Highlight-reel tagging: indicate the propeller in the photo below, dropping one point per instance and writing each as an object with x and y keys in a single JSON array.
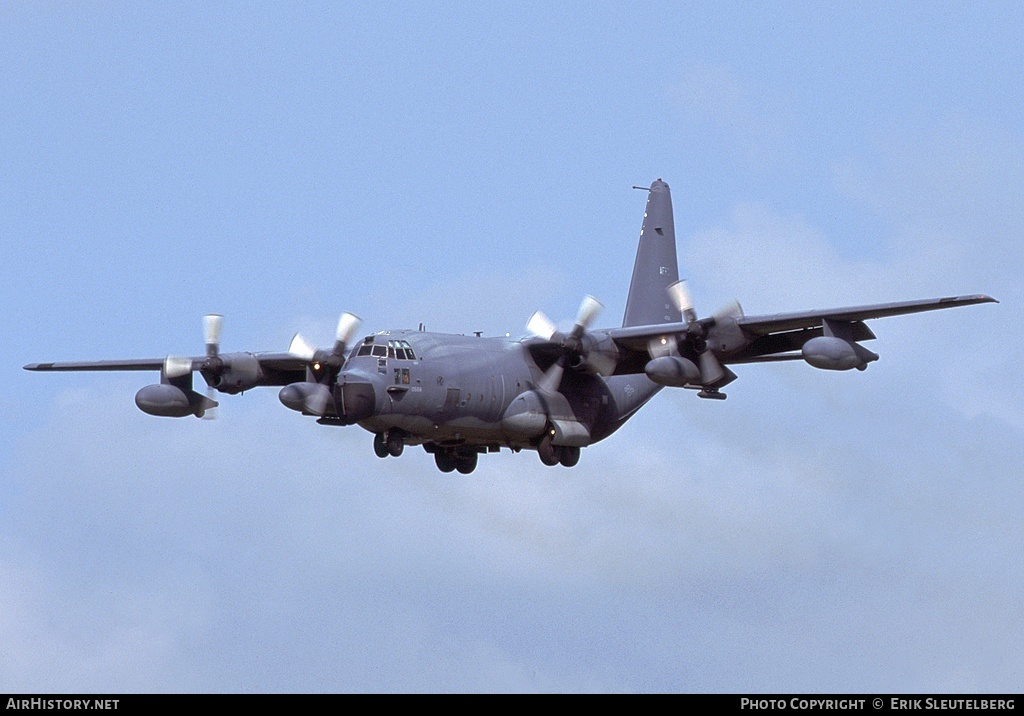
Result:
[
  {"x": 325, "y": 364},
  {"x": 213, "y": 324},
  {"x": 177, "y": 366},
  {"x": 302, "y": 349},
  {"x": 576, "y": 343},
  {"x": 711, "y": 369}
]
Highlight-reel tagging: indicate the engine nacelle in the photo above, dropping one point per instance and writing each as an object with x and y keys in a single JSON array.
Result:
[
  {"x": 170, "y": 401},
  {"x": 241, "y": 372},
  {"x": 831, "y": 353},
  {"x": 355, "y": 399},
  {"x": 673, "y": 371},
  {"x": 525, "y": 417},
  {"x": 304, "y": 397}
]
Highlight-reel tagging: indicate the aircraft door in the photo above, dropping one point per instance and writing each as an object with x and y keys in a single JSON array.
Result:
[{"x": 451, "y": 403}]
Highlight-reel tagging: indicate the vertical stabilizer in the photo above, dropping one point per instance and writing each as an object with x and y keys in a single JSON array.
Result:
[{"x": 656, "y": 267}]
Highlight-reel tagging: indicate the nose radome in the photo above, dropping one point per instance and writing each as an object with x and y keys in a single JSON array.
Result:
[{"x": 358, "y": 397}]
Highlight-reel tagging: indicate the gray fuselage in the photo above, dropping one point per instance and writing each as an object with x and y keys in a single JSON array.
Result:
[{"x": 456, "y": 389}]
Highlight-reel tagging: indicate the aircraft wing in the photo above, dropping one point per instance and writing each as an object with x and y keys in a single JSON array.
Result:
[
  {"x": 134, "y": 364},
  {"x": 763, "y": 325},
  {"x": 771, "y": 337},
  {"x": 279, "y": 368}
]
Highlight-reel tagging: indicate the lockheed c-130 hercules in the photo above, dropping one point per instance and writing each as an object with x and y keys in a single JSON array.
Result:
[{"x": 554, "y": 392}]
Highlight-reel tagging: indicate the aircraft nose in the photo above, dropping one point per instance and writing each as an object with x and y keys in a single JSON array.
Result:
[
  {"x": 358, "y": 396},
  {"x": 359, "y": 400}
]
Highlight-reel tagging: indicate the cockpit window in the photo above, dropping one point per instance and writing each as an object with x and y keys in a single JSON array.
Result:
[{"x": 400, "y": 350}]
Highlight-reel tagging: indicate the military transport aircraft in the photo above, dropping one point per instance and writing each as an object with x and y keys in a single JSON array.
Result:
[{"x": 554, "y": 392}]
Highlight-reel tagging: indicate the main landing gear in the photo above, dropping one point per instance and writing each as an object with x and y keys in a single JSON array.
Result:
[
  {"x": 447, "y": 461},
  {"x": 389, "y": 443},
  {"x": 551, "y": 455},
  {"x": 392, "y": 443},
  {"x": 464, "y": 459}
]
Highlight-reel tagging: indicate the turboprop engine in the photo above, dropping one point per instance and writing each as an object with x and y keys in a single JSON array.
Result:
[
  {"x": 233, "y": 372},
  {"x": 356, "y": 397},
  {"x": 173, "y": 397},
  {"x": 352, "y": 391}
]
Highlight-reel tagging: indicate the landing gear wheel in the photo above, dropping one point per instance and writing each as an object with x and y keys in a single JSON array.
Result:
[
  {"x": 549, "y": 454},
  {"x": 395, "y": 443},
  {"x": 466, "y": 463},
  {"x": 445, "y": 461},
  {"x": 380, "y": 445},
  {"x": 570, "y": 456}
]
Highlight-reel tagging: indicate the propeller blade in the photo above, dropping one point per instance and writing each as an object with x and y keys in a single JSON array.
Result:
[
  {"x": 316, "y": 402},
  {"x": 601, "y": 363},
  {"x": 212, "y": 325},
  {"x": 541, "y": 326},
  {"x": 211, "y": 412},
  {"x": 553, "y": 377},
  {"x": 177, "y": 366},
  {"x": 589, "y": 310},
  {"x": 711, "y": 370},
  {"x": 299, "y": 348},
  {"x": 348, "y": 324},
  {"x": 679, "y": 292},
  {"x": 733, "y": 310},
  {"x": 584, "y": 351}
]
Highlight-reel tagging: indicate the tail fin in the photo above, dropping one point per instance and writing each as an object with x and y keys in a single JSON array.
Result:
[{"x": 655, "y": 268}]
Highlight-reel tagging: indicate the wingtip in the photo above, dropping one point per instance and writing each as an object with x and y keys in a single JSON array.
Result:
[{"x": 972, "y": 298}]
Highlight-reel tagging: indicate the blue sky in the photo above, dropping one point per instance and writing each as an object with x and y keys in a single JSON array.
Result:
[{"x": 463, "y": 166}]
